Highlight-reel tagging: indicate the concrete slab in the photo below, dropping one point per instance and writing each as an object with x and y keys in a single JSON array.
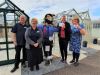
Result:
[
  {"x": 5, "y": 70},
  {"x": 55, "y": 65}
]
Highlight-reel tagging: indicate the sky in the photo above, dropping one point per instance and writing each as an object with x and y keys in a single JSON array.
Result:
[{"x": 38, "y": 8}]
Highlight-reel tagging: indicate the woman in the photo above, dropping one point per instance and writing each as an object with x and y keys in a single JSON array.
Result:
[
  {"x": 33, "y": 43},
  {"x": 64, "y": 37},
  {"x": 76, "y": 38},
  {"x": 48, "y": 31}
]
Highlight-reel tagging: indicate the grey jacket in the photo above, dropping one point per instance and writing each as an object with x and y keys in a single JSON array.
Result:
[{"x": 29, "y": 41}]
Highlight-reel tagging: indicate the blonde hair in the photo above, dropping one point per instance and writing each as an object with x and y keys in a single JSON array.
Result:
[
  {"x": 34, "y": 19},
  {"x": 76, "y": 18}
]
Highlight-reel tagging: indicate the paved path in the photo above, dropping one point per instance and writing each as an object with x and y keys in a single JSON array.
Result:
[
  {"x": 88, "y": 66},
  {"x": 88, "y": 57},
  {"x": 55, "y": 65}
]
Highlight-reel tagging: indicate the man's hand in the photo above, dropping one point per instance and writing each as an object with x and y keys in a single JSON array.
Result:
[
  {"x": 14, "y": 42},
  {"x": 36, "y": 45},
  {"x": 14, "y": 38}
]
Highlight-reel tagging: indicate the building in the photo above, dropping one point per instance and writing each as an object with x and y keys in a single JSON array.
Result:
[{"x": 96, "y": 28}]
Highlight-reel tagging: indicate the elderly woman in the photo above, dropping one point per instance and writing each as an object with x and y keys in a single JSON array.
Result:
[
  {"x": 76, "y": 38},
  {"x": 33, "y": 38}
]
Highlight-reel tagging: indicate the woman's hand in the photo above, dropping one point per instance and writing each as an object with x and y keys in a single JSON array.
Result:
[
  {"x": 78, "y": 26},
  {"x": 63, "y": 26},
  {"x": 82, "y": 30},
  {"x": 36, "y": 45}
]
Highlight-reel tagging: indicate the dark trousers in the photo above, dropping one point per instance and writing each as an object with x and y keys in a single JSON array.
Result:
[
  {"x": 17, "y": 55},
  {"x": 63, "y": 48},
  {"x": 48, "y": 53},
  {"x": 76, "y": 56}
]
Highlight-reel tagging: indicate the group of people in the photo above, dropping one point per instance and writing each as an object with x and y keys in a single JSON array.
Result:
[{"x": 36, "y": 40}]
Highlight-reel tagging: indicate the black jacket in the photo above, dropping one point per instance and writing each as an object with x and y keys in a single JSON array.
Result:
[{"x": 67, "y": 31}]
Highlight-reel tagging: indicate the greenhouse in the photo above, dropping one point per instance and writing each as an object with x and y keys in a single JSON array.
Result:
[{"x": 9, "y": 14}]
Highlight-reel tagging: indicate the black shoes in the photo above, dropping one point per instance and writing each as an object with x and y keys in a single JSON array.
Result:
[
  {"x": 63, "y": 61},
  {"x": 14, "y": 69},
  {"x": 76, "y": 64},
  {"x": 72, "y": 61},
  {"x": 37, "y": 67},
  {"x": 47, "y": 63},
  {"x": 31, "y": 68},
  {"x": 24, "y": 65}
]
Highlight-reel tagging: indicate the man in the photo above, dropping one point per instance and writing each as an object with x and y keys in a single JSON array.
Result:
[
  {"x": 64, "y": 37},
  {"x": 18, "y": 38}
]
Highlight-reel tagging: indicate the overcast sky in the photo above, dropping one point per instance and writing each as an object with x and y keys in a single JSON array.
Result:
[{"x": 38, "y": 8}]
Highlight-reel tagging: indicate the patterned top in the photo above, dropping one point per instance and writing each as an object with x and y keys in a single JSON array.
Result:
[
  {"x": 76, "y": 38},
  {"x": 49, "y": 30}
]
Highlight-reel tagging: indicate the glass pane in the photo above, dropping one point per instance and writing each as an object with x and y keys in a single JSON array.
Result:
[
  {"x": 4, "y": 6},
  {"x": 9, "y": 34},
  {"x": 16, "y": 18},
  {"x": 10, "y": 46},
  {"x": 10, "y": 23},
  {"x": 2, "y": 1},
  {"x": 2, "y": 46},
  {"x": 3, "y": 52},
  {"x": 2, "y": 35},
  {"x": 3, "y": 55},
  {"x": 1, "y": 19},
  {"x": 10, "y": 16},
  {"x": 11, "y": 51}
]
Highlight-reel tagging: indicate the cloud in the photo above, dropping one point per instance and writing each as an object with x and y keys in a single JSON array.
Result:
[
  {"x": 38, "y": 8},
  {"x": 94, "y": 7}
]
